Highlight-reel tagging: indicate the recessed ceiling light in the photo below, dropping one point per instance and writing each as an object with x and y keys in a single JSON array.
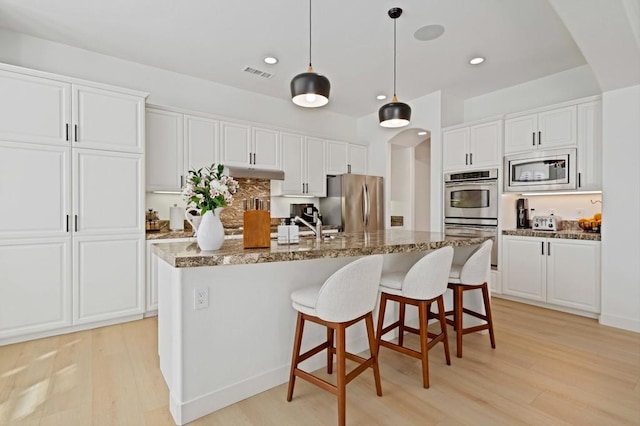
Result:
[
  {"x": 381, "y": 97},
  {"x": 428, "y": 32},
  {"x": 270, "y": 60},
  {"x": 422, "y": 133},
  {"x": 476, "y": 61}
]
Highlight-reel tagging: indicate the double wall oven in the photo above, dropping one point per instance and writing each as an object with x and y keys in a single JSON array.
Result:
[{"x": 471, "y": 205}]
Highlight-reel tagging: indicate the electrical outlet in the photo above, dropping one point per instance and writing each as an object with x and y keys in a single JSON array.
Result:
[{"x": 200, "y": 298}]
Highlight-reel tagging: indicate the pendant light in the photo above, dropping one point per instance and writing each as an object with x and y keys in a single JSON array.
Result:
[
  {"x": 310, "y": 89},
  {"x": 394, "y": 114}
]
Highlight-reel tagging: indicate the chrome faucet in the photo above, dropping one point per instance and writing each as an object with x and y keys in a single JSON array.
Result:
[{"x": 317, "y": 230}]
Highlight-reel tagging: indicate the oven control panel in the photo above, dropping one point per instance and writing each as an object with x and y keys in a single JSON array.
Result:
[{"x": 545, "y": 223}]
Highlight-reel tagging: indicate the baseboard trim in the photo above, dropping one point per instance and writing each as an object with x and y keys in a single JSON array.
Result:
[{"x": 620, "y": 322}]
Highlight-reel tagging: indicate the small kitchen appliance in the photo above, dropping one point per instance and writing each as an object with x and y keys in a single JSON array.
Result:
[
  {"x": 522, "y": 213},
  {"x": 305, "y": 211},
  {"x": 546, "y": 223}
]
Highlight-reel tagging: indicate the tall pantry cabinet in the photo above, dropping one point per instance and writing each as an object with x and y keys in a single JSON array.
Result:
[{"x": 71, "y": 204}]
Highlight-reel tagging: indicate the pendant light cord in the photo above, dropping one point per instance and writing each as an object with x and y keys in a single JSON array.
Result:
[
  {"x": 310, "y": 34},
  {"x": 394, "y": 57}
]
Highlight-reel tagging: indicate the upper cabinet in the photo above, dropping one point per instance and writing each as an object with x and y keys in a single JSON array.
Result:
[
  {"x": 590, "y": 146},
  {"x": 245, "y": 146},
  {"x": 472, "y": 147},
  {"x": 48, "y": 111},
  {"x": 303, "y": 160},
  {"x": 200, "y": 142},
  {"x": 164, "y": 155},
  {"x": 543, "y": 130},
  {"x": 343, "y": 157}
]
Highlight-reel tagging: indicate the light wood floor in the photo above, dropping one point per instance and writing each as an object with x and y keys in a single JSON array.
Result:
[{"x": 549, "y": 368}]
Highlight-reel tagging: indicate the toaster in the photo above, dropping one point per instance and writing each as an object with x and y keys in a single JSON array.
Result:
[{"x": 545, "y": 223}]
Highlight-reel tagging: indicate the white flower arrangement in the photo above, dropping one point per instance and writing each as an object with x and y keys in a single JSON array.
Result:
[{"x": 208, "y": 189}]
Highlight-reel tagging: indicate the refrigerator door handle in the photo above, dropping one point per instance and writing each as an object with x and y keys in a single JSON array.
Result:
[{"x": 367, "y": 206}]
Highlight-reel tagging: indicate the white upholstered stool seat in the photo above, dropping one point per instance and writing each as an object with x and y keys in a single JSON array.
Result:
[
  {"x": 472, "y": 275},
  {"x": 424, "y": 284},
  {"x": 346, "y": 298}
]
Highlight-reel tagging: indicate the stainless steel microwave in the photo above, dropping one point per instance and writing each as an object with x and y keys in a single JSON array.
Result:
[{"x": 541, "y": 171}]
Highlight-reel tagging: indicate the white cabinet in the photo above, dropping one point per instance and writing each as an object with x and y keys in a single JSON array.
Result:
[
  {"x": 472, "y": 147},
  {"x": 34, "y": 109},
  {"x": 151, "y": 278},
  {"x": 107, "y": 119},
  {"x": 35, "y": 190},
  {"x": 589, "y": 151},
  {"x": 35, "y": 288},
  {"x": 164, "y": 153},
  {"x": 343, "y": 157},
  {"x": 200, "y": 143},
  {"x": 543, "y": 130},
  {"x": 245, "y": 146},
  {"x": 557, "y": 271},
  {"x": 303, "y": 160}
]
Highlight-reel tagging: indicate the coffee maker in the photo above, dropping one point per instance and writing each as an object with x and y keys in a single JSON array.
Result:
[
  {"x": 522, "y": 213},
  {"x": 307, "y": 211}
]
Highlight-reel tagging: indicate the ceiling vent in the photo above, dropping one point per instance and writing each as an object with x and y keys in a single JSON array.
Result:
[{"x": 257, "y": 72}]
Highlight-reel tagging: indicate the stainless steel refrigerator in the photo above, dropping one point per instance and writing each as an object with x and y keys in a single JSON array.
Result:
[{"x": 354, "y": 202}]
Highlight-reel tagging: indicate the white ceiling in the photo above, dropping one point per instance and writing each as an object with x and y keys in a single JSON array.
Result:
[{"x": 352, "y": 42}]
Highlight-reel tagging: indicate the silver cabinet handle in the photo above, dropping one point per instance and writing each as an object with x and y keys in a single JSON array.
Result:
[
  {"x": 76, "y": 222},
  {"x": 549, "y": 249},
  {"x": 348, "y": 168},
  {"x": 181, "y": 181},
  {"x": 249, "y": 158},
  {"x": 254, "y": 158},
  {"x": 466, "y": 159},
  {"x": 75, "y": 132},
  {"x": 471, "y": 158}
]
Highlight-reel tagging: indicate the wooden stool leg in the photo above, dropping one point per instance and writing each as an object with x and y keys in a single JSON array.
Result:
[
  {"x": 297, "y": 343},
  {"x": 457, "y": 314},
  {"x": 443, "y": 327},
  {"x": 401, "y": 326},
  {"x": 487, "y": 309},
  {"x": 372, "y": 348},
  {"x": 330, "y": 350},
  {"x": 424, "y": 344},
  {"x": 342, "y": 373},
  {"x": 381, "y": 311}
]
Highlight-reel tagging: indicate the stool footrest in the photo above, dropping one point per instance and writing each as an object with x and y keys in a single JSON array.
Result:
[{"x": 311, "y": 352}]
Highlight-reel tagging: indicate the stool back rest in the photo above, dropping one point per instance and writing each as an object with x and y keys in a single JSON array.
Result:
[
  {"x": 351, "y": 291},
  {"x": 429, "y": 277},
  {"x": 477, "y": 268}
]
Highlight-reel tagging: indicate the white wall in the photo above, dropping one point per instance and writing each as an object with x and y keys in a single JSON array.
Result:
[
  {"x": 422, "y": 179},
  {"x": 170, "y": 88},
  {"x": 621, "y": 209},
  {"x": 426, "y": 114},
  {"x": 400, "y": 200},
  {"x": 575, "y": 83}
]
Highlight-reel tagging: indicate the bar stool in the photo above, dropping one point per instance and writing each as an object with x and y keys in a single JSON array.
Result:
[
  {"x": 346, "y": 297},
  {"x": 422, "y": 285},
  {"x": 472, "y": 275}
]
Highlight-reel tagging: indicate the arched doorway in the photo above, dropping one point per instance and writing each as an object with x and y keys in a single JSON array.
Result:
[{"x": 410, "y": 179}]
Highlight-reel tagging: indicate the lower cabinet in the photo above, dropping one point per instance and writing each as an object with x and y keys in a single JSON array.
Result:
[
  {"x": 152, "y": 281},
  {"x": 53, "y": 283},
  {"x": 557, "y": 271}
]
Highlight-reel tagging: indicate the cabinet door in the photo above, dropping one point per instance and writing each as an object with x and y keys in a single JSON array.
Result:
[
  {"x": 524, "y": 267},
  {"x": 35, "y": 190},
  {"x": 520, "y": 134},
  {"x": 266, "y": 148},
  {"x": 107, "y": 277},
  {"x": 337, "y": 158},
  {"x": 200, "y": 143},
  {"x": 316, "y": 175},
  {"x": 292, "y": 160},
  {"x": 455, "y": 149},
  {"x": 557, "y": 128},
  {"x": 108, "y": 192},
  {"x": 573, "y": 274},
  {"x": 34, "y": 109},
  {"x": 35, "y": 288},
  {"x": 485, "y": 141},
  {"x": 164, "y": 151},
  {"x": 590, "y": 146},
  {"x": 357, "y": 159},
  {"x": 235, "y": 144},
  {"x": 105, "y": 119}
]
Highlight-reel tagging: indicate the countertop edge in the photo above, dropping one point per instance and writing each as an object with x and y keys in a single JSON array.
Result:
[{"x": 566, "y": 235}]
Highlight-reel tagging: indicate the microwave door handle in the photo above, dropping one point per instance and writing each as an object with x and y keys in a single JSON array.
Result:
[{"x": 491, "y": 182}]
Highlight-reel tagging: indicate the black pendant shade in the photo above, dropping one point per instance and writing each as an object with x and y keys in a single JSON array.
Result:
[
  {"x": 310, "y": 89},
  {"x": 394, "y": 113}
]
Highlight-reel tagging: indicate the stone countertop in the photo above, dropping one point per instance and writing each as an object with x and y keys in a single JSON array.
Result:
[
  {"x": 186, "y": 254},
  {"x": 562, "y": 234},
  {"x": 165, "y": 233}
]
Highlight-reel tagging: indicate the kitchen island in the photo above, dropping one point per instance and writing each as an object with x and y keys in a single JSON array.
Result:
[{"x": 225, "y": 320}]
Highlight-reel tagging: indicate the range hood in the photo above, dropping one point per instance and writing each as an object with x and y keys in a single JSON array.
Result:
[{"x": 246, "y": 172}]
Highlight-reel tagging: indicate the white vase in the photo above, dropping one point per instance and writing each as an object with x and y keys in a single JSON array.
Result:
[{"x": 210, "y": 232}]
